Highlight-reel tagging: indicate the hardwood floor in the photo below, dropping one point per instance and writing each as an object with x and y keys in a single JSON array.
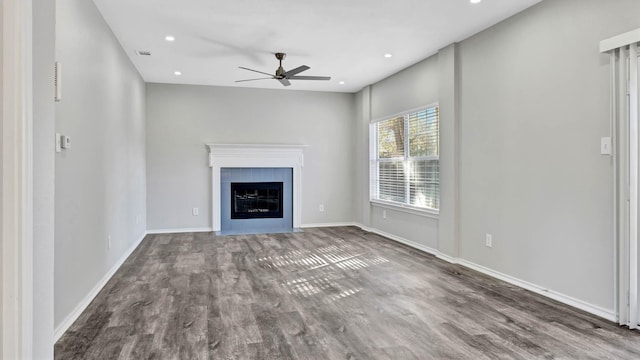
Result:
[{"x": 330, "y": 293}]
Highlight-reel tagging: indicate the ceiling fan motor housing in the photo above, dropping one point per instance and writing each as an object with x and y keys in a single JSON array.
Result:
[{"x": 280, "y": 71}]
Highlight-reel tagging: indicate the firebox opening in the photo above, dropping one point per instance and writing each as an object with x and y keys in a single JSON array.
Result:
[{"x": 257, "y": 200}]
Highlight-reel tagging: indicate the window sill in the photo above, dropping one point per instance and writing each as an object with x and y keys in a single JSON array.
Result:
[{"x": 434, "y": 214}]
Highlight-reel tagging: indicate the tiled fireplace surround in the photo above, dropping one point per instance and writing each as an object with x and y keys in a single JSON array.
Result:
[
  {"x": 249, "y": 162},
  {"x": 253, "y": 175}
]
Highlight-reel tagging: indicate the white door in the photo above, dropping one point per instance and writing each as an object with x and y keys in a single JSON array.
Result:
[{"x": 625, "y": 130}]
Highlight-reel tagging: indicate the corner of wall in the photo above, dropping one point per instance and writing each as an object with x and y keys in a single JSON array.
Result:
[{"x": 448, "y": 236}]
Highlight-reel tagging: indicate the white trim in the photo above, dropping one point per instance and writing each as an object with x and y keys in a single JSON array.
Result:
[
  {"x": 447, "y": 258},
  {"x": 321, "y": 225},
  {"x": 622, "y": 171},
  {"x": 401, "y": 240},
  {"x": 613, "y": 133},
  {"x": 179, "y": 231},
  {"x": 622, "y": 166},
  {"x": 634, "y": 185},
  {"x": 255, "y": 156},
  {"x": 16, "y": 217},
  {"x": 27, "y": 183},
  {"x": 635, "y": 94},
  {"x": 84, "y": 303},
  {"x": 619, "y": 41},
  {"x": 430, "y": 213},
  {"x": 565, "y": 299}
]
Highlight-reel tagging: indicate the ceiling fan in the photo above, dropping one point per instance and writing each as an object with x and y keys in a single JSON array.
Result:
[{"x": 284, "y": 76}]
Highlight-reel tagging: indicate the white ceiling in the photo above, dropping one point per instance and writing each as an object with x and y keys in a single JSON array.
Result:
[{"x": 344, "y": 39}]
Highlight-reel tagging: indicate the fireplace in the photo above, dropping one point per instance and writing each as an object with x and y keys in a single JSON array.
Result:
[
  {"x": 253, "y": 199},
  {"x": 256, "y": 200},
  {"x": 255, "y": 163}
]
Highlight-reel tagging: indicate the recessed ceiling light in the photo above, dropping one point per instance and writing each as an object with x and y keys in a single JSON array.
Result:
[
  {"x": 475, "y": 1},
  {"x": 388, "y": 55},
  {"x": 169, "y": 38},
  {"x": 177, "y": 73},
  {"x": 341, "y": 83}
]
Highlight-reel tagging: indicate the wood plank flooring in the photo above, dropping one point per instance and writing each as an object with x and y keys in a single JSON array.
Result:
[{"x": 330, "y": 293}]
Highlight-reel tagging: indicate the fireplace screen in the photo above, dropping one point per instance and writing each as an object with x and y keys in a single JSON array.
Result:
[{"x": 256, "y": 200}]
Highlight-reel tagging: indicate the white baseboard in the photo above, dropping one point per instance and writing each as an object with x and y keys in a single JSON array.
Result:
[
  {"x": 607, "y": 314},
  {"x": 401, "y": 240},
  {"x": 73, "y": 316},
  {"x": 565, "y": 299},
  {"x": 178, "y": 231},
  {"x": 320, "y": 225},
  {"x": 447, "y": 258}
]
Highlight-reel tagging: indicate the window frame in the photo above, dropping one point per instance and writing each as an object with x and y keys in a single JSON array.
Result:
[{"x": 374, "y": 171}]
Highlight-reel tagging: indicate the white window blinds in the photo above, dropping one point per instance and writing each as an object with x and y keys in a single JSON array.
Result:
[{"x": 405, "y": 159}]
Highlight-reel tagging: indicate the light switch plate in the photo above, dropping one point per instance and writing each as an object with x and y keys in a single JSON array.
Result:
[{"x": 66, "y": 142}]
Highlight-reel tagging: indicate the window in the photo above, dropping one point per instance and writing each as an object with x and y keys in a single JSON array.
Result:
[{"x": 405, "y": 159}]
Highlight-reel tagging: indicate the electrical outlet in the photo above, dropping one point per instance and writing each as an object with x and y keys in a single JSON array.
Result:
[
  {"x": 195, "y": 212},
  {"x": 137, "y": 219},
  {"x": 321, "y": 207},
  {"x": 488, "y": 241},
  {"x": 109, "y": 241}
]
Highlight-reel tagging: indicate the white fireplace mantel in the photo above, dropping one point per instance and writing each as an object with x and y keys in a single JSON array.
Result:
[{"x": 255, "y": 156}]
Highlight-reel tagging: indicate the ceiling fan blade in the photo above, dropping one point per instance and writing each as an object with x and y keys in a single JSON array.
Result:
[
  {"x": 284, "y": 82},
  {"x": 297, "y": 70},
  {"x": 260, "y": 72},
  {"x": 255, "y": 79},
  {"x": 310, "y": 78}
]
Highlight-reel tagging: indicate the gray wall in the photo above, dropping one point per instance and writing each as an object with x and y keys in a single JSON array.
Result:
[
  {"x": 181, "y": 119},
  {"x": 411, "y": 88},
  {"x": 43, "y": 177},
  {"x": 449, "y": 90},
  {"x": 100, "y": 182},
  {"x": 408, "y": 89},
  {"x": 531, "y": 101},
  {"x": 534, "y": 104}
]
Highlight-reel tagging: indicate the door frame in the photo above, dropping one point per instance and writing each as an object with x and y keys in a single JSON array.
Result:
[
  {"x": 634, "y": 160},
  {"x": 624, "y": 52},
  {"x": 16, "y": 160}
]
